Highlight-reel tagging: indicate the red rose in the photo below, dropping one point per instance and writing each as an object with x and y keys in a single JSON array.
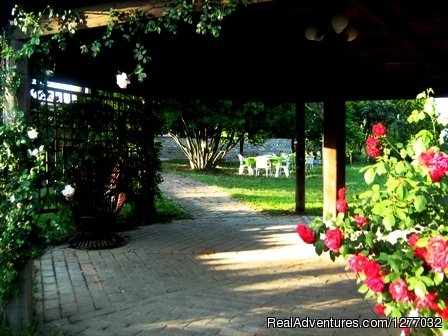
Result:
[
  {"x": 380, "y": 309},
  {"x": 412, "y": 239},
  {"x": 443, "y": 313},
  {"x": 306, "y": 233},
  {"x": 333, "y": 239},
  {"x": 379, "y": 130},
  {"x": 426, "y": 158},
  {"x": 373, "y": 152},
  {"x": 341, "y": 193},
  {"x": 420, "y": 252},
  {"x": 376, "y": 284},
  {"x": 341, "y": 206},
  {"x": 399, "y": 291},
  {"x": 372, "y": 269},
  {"x": 372, "y": 142},
  {"x": 436, "y": 174},
  {"x": 360, "y": 221}
]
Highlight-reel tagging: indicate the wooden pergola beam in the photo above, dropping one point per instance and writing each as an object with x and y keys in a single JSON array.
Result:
[{"x": 98, "y": 15}]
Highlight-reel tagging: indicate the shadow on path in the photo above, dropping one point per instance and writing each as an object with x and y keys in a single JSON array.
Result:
[{"x": 227, "y": 271}]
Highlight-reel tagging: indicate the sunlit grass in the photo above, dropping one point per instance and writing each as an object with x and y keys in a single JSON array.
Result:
[{"x": 271, "y": 195}]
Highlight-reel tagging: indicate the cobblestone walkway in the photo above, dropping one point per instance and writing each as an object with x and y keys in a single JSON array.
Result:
[{"x": 224, "y": 272}]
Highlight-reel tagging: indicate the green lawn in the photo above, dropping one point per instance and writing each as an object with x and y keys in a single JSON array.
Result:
[{"x": 272, "y": 195}]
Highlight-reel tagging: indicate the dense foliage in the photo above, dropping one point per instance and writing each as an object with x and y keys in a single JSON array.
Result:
[
  {"x": 22, "y": 168},
  {"x": 394, "y": 235},
  {"x": 210, "y": 128}
]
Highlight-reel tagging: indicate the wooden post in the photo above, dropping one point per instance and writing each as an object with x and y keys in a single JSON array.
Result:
[
  {"x": 333, "y": 152},
  {"x": 19, "y": 100},
  {"x": 300, "y": 157},
  {"x": 19, "y": 311}
]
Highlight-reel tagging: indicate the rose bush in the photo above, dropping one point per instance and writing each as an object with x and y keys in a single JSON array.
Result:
[{"x": 394, "y": 235}]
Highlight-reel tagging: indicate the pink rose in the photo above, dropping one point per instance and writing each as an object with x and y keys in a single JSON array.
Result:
[
  {"x": 376, "y": 284},
  {"x": 360, "y": 221},
  {"x": 441, "y": 161},
  {"x": 428, "y": 301},
  {"x": 357, "y": 262},
  {"x": 399, "y": 291},
  {"x": 333, "y": 239},
  {"x": 437, "y": 254},
  {"x": 379, "y": 130},
  {"x": 306, "y": 233}
]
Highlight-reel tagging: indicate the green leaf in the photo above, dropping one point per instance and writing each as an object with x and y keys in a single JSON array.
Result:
[
  {"x": 400, "y": 167},
  {"x": 403, "y": 153},
  {"x": 438, "y": 278},
  {"x": 319, "y": 247},
  {"x": 363, "y": 289},
  {"x": 369, "y": 175},
  {"x": 381, "y": 168},
  {"x": 344, "y": 250},
  {"x": 420, "y": 289},
  {"x": 389, "y": 221},
  {"x": 369, "y": 239},
  {"x": 420, "y": 203},
  {"x": 402, "y": 192},
  {"x": 394, "y": 265}
]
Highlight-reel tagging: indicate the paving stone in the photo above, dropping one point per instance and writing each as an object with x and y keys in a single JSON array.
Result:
[{"x": 221, "y": 273}]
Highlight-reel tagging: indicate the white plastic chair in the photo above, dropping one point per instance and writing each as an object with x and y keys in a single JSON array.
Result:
[
  {"x": 283, "y": 166},
  {"x": 262, "y": 162},
  {"x": 309, "y": 162},
  {"x": 244, "y": 165}
]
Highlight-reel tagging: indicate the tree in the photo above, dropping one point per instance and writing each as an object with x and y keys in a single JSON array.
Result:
[
  {"x": 210, "y": 128},
  {"x": 362, "y": 115}
]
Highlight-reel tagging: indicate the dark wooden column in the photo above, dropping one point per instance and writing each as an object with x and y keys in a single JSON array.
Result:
[
  {"x": 300, "y": 157},
  {"x": 20, "y": 99},
  {"x": 333, "y": 151}
]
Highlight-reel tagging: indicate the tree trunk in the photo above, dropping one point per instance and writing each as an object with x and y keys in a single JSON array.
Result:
[{"x": 204, "y": 153}]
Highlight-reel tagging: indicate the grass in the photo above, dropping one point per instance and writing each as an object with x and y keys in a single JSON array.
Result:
[{"x": 270, "y": 195}]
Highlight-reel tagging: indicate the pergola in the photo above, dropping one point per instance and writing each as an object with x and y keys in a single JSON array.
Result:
[{"x": 285, "y": 50}]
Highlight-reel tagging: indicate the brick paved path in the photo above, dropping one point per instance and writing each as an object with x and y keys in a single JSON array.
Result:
[{"x": 221, "y": 273}]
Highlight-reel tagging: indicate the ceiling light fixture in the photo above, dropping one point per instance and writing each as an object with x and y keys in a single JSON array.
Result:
[{"x": 338, "y": 28}]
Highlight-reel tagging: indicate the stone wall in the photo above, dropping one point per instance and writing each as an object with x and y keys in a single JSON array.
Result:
[{"x": 171, "y": 151}]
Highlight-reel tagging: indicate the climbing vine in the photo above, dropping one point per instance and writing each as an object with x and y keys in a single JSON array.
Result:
[{"x": 38, "y": 34}]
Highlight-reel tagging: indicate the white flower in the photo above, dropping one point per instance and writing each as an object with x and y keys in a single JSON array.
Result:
[
  {"x": 35, "y": 152},
  {"x": 68, "y": 192},
  {"x": 123, "y": 80},
  {"x": 32, "y": 134}
]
